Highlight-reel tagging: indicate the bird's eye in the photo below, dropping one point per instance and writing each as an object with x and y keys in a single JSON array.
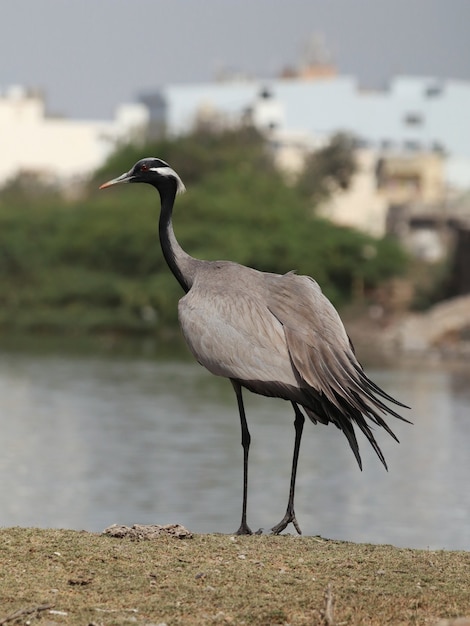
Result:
[{"x": 144, "y": 167}]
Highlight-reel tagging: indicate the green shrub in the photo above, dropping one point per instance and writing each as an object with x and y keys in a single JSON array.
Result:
[{"x": 95, "y": 263}]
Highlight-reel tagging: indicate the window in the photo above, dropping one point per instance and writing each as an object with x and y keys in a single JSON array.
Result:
[
  {"x": 412, "y": 146},
  {"x": 438, "y": 147},
  {"x": 413, "y": 119},
  {"x": 386, "y": 144},
  {"x": 433, "y": 91},
  {"x": 265, "y": 93}
]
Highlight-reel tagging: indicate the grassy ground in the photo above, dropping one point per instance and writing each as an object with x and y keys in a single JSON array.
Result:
[{"x": 54, "y": 577}]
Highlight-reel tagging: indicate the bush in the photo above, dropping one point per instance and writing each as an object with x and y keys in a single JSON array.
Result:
[{"x": 96, "y": 263}]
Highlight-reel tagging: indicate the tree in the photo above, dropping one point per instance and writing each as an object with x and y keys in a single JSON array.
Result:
[
  {"x": 329, "y": 169},
  {"x": 95, "y": 264}
]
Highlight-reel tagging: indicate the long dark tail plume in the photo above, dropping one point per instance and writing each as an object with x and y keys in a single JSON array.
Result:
[{"x": 361, "y": 402}]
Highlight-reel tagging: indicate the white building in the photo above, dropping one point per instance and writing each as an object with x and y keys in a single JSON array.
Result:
[
  {"x": 362, "y": 206},
  {"x": 56, "y": 147},
  {"x": 414, "y": 114}
]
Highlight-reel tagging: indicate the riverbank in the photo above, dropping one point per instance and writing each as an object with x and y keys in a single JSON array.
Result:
[
  {"x": 68, "y": 577},
  {"x": 439, "y": 335}
]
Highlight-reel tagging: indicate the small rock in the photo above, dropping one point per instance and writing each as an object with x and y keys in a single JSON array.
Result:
[{"x": 147, "y": 531}]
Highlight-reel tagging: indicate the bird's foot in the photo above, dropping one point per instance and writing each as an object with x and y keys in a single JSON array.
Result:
[
  {"x": 244, "y": 529},
  {"x": 286, "y": 520}
]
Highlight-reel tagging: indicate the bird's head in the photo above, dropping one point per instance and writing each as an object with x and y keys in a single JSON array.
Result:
[{"x": 149, "y": 170}]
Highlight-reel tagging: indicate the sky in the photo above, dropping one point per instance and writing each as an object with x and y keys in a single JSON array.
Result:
[{"x": 88, "y": 56}]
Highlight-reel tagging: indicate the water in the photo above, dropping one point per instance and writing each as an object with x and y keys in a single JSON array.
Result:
[{"x": 87, "y": 441}]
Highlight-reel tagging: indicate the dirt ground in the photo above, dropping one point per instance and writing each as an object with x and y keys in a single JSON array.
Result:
[{"x": 53, "y": 577}]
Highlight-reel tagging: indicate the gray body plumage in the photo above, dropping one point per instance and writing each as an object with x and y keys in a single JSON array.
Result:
[
  {"x": 278, "y": 335},
  {"x": 275, "y": 335}
]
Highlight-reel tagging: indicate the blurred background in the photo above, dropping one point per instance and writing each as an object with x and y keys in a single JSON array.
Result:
[{"x": 329, "y": 138}]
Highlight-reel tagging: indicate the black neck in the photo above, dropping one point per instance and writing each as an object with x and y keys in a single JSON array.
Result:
[{"x": 172, "y": 251}]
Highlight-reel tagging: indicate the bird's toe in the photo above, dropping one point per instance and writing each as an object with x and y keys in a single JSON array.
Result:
[{"x": 286, "y": 520}]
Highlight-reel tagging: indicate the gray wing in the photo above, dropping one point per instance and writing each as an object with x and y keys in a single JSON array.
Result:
[
  {"x": 230, "y": 330},
  {"x": 322, "y": 355},
  {"x": 316, "y": 338}
]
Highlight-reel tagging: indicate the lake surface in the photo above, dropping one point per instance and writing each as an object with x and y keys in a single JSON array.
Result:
[{"x": 88, "y": 441}]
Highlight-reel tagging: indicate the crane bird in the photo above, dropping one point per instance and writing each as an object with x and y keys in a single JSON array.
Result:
[{"x": 275, "y": 335}]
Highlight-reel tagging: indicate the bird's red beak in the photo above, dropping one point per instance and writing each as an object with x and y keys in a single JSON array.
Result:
[{"x": 108, "y": 184}]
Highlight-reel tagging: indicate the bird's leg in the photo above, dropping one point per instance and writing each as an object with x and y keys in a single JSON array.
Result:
[
  {"x": 290, "y": 513},
  {"x": 246, "y": 440}
]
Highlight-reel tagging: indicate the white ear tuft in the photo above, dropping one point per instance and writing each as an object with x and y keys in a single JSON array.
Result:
[
  {"x": 170, "y": 172},
  {"x": 180, "y": 188}
]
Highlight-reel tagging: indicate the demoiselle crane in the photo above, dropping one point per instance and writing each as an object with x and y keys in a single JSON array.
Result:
[{"x": 275, "y": 335}]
